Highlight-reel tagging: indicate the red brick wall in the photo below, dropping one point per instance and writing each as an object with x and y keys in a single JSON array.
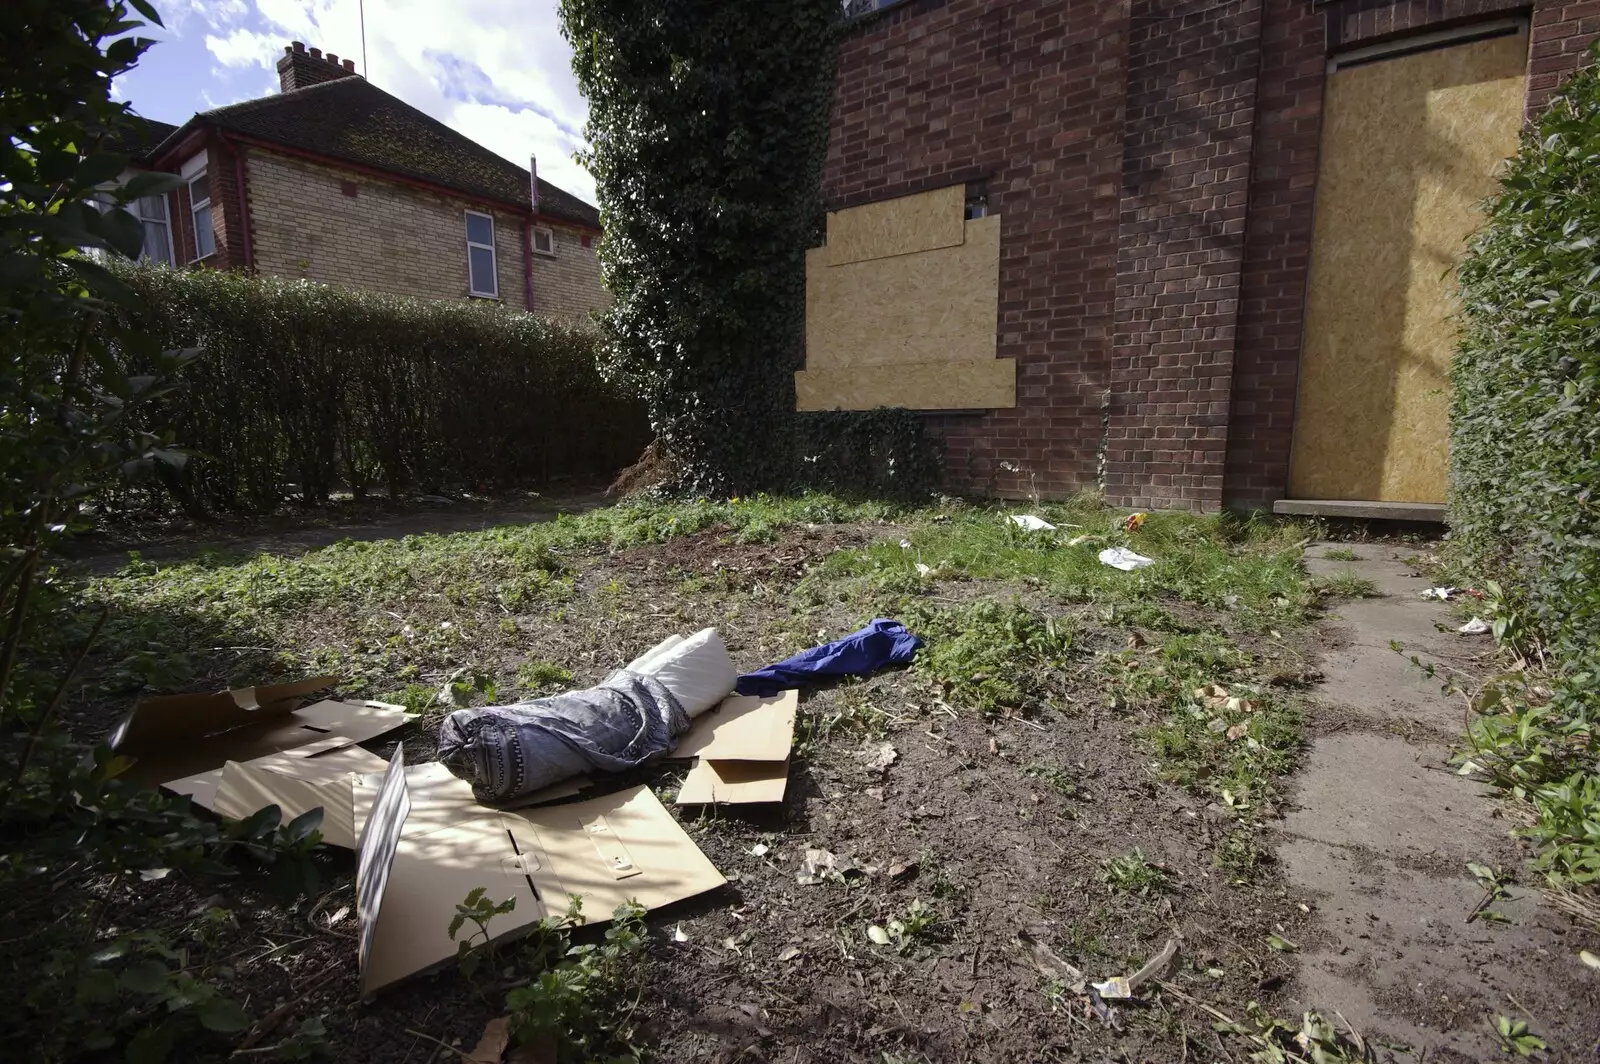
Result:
[
  {"x": 1283, "y": 176},
  {"x": 1027, "y": 95},
  {"x": 1297, "y": 39},
  {"x": 1154, "y": 163},
  {"x": 1189, "y": 120}
]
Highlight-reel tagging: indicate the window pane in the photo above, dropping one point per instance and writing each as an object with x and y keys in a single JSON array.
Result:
[
  {"x": 480, "y": 263},
  {"x": 205, "y": 241},
  {"x": 544, "y": 240},
  {"x": 155, "y": 243},
  {"x": 199, "y": 190},
  {"x": 153, "y": 208},
  {"x": 480, "y": 230}
]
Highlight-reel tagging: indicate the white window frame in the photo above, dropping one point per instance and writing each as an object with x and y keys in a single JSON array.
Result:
[
  {"x": 191, "y": 171},
  {"x": 550, "y": 237},
  {"x": 165, "y": 222},
  {"x": 494, "y": 261}
]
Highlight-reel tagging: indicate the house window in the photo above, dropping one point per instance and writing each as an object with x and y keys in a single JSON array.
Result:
[
  {"x": 152, "y": 213},
  {"x": 544, "y": 241},
  {"x": 481, "y": 277},
  {"x": 205, "y": 239}
]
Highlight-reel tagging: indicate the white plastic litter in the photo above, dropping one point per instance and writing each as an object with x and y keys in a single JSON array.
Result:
[
  {"x": 1124, "y": 559},
  {"x": 1032, "y": 523},
  {"x": 1441, "y": 593},
  {"x": 697, "y": 670},
  {"x": 1476, "y": 626}
]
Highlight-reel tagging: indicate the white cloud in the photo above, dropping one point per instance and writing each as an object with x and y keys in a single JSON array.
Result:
[
  {"x": 497, "y": 71},
  {"x": 244, "y": 47},
  {"x": 516, "y": 134}
]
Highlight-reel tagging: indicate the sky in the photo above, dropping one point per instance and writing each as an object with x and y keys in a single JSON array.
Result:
[{"x": 498, "y": 71}]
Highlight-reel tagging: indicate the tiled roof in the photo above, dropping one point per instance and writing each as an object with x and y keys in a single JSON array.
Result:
[
  {"x": 353, "y": 120},
  {"x": 139, "y": 137}
]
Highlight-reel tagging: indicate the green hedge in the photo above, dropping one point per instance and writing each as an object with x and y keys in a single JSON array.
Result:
[
  {"x": 1525, "y": 416},
  {"x": 303, "y": 389}
]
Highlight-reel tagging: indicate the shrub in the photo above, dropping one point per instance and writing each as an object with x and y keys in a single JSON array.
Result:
[
  {"x": 708, "y": 124},
  {"x": 1525, "y": 465},
  {"x": 303, "y": 388},
  {"x": 1525, "y": 417}
]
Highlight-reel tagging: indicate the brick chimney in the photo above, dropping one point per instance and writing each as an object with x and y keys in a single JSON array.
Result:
[{"x": 300, "y": 67}]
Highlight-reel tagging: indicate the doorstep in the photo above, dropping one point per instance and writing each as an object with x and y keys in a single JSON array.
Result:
[{"x": 1383, "y": 511}]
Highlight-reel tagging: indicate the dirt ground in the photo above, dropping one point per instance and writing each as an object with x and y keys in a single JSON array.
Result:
[{"x": 1002, "y": 827}]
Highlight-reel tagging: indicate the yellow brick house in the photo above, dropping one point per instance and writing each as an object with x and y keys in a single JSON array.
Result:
[{"x": 333, "y": 179}]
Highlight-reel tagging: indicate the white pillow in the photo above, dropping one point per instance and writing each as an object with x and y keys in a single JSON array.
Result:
[
  {"x": 697, "y": 671},
  {"x": 642, "y": 662}
]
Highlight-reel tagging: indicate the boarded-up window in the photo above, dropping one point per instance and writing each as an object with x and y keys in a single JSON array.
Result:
[{"x": 901, "y": 308}]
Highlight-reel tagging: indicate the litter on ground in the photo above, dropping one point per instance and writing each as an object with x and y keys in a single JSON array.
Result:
[
  {"x": 1124, "y": 559},
  {"x": 1032, "y": 523}
]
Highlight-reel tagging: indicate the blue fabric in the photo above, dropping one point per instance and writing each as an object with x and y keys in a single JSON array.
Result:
[{"x": 883, "y": 642}]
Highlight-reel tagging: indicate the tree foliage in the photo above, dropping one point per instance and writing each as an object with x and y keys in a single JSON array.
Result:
[
  {"x": 708, "y": 123},
  {"x": 1525, "y": 417},
  {"x": 1525, "y": 474},
  {"x": 308, "y": 387}
]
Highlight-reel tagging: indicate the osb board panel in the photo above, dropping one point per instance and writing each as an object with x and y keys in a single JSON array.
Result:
[
  {"x": 929, "y": 306},
  {"x": 915, "y": 386},
  {"x": 1410, "y": 147},
  {"x": 900, "y": 226}
]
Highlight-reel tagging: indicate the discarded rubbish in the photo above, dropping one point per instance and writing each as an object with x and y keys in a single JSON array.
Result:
[
  {"x": 880, "y": 758},
  {"x": 1078, "y": 541},
  {"x": 1476, "y": 626},
  {"x": 1440, "y": 593},
  {"x": 1134, "y": 522},
  {"x": 760, "y": 849},
  {"x": 1124, "y": 559},
  {"x": 882, "y": 642},
  {"x": 183, "y": 743},
  {"x": 630, "y": 718},
  {"x": 678, "y": 934},
  {"x": 743, "y": 749},
  {"x": 789, "y": 953},
  {"x": 1126, "y": 986},
  {"x": 878, "y": 935},
  {"x": 924, "y": 569},
  {"x": 1032, "y": 523},
  {"x": 823, "y": 864},
  {"x": 1281, "y": 944},
  {"x": 1589, "y": 959},
  {"x": 418, "y": 858}
]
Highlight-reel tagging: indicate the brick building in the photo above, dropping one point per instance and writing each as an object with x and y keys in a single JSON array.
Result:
[
  {"x": 334, "y": 180},
  {"x": 1225, "y": 231}
]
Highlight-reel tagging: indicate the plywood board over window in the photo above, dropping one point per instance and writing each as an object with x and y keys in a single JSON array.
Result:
[
  {"x": 901, "y": 309},
  {"x": 1410, "y": 148}
]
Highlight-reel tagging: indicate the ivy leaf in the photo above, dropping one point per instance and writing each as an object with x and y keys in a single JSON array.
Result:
[{"x": 222, "y": 1015}]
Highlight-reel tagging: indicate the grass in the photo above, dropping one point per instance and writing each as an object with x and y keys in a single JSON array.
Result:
[
  {"x": 1341, "y": 554},
  {"x": 1346, "y": 584},
  {"x": 1016, "y": 624},
  {"x": 1133, "y": 873}
]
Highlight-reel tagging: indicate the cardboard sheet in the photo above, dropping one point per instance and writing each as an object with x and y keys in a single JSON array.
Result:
[
  {"x": 181, "y": 742},
  {"x": 298, "y": 785},
  {"x": 734, "y": 782},
  {"x": 744, "y": 728},
  {"x": 605, "y": 850},
  {"x": 440, "y": 798}
]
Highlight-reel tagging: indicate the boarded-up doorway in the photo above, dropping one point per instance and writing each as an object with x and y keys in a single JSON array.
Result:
[{"x": 1411, "y": 144}]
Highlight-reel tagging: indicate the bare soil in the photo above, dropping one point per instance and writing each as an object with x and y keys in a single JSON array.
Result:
[{"x": 1001, "y": 826}]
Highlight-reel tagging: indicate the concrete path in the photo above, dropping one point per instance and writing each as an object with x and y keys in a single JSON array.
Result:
[{"x": 1380, "y": 838}]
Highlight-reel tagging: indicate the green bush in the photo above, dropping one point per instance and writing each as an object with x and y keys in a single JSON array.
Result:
[
  {"x": 303, "y": 388},
  {"x": 1525, "y": 464},
  {"x": 708, "y": 124},
  {"x": 1525, "y": 417}
]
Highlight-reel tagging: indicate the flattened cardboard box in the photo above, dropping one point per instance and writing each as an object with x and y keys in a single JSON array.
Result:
[
  {"x": 607, "y": 850},
  {"x": 298, "y": 785},
  {"x": 743, "y": 749},
  {"x": 182, "y": 742}
]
